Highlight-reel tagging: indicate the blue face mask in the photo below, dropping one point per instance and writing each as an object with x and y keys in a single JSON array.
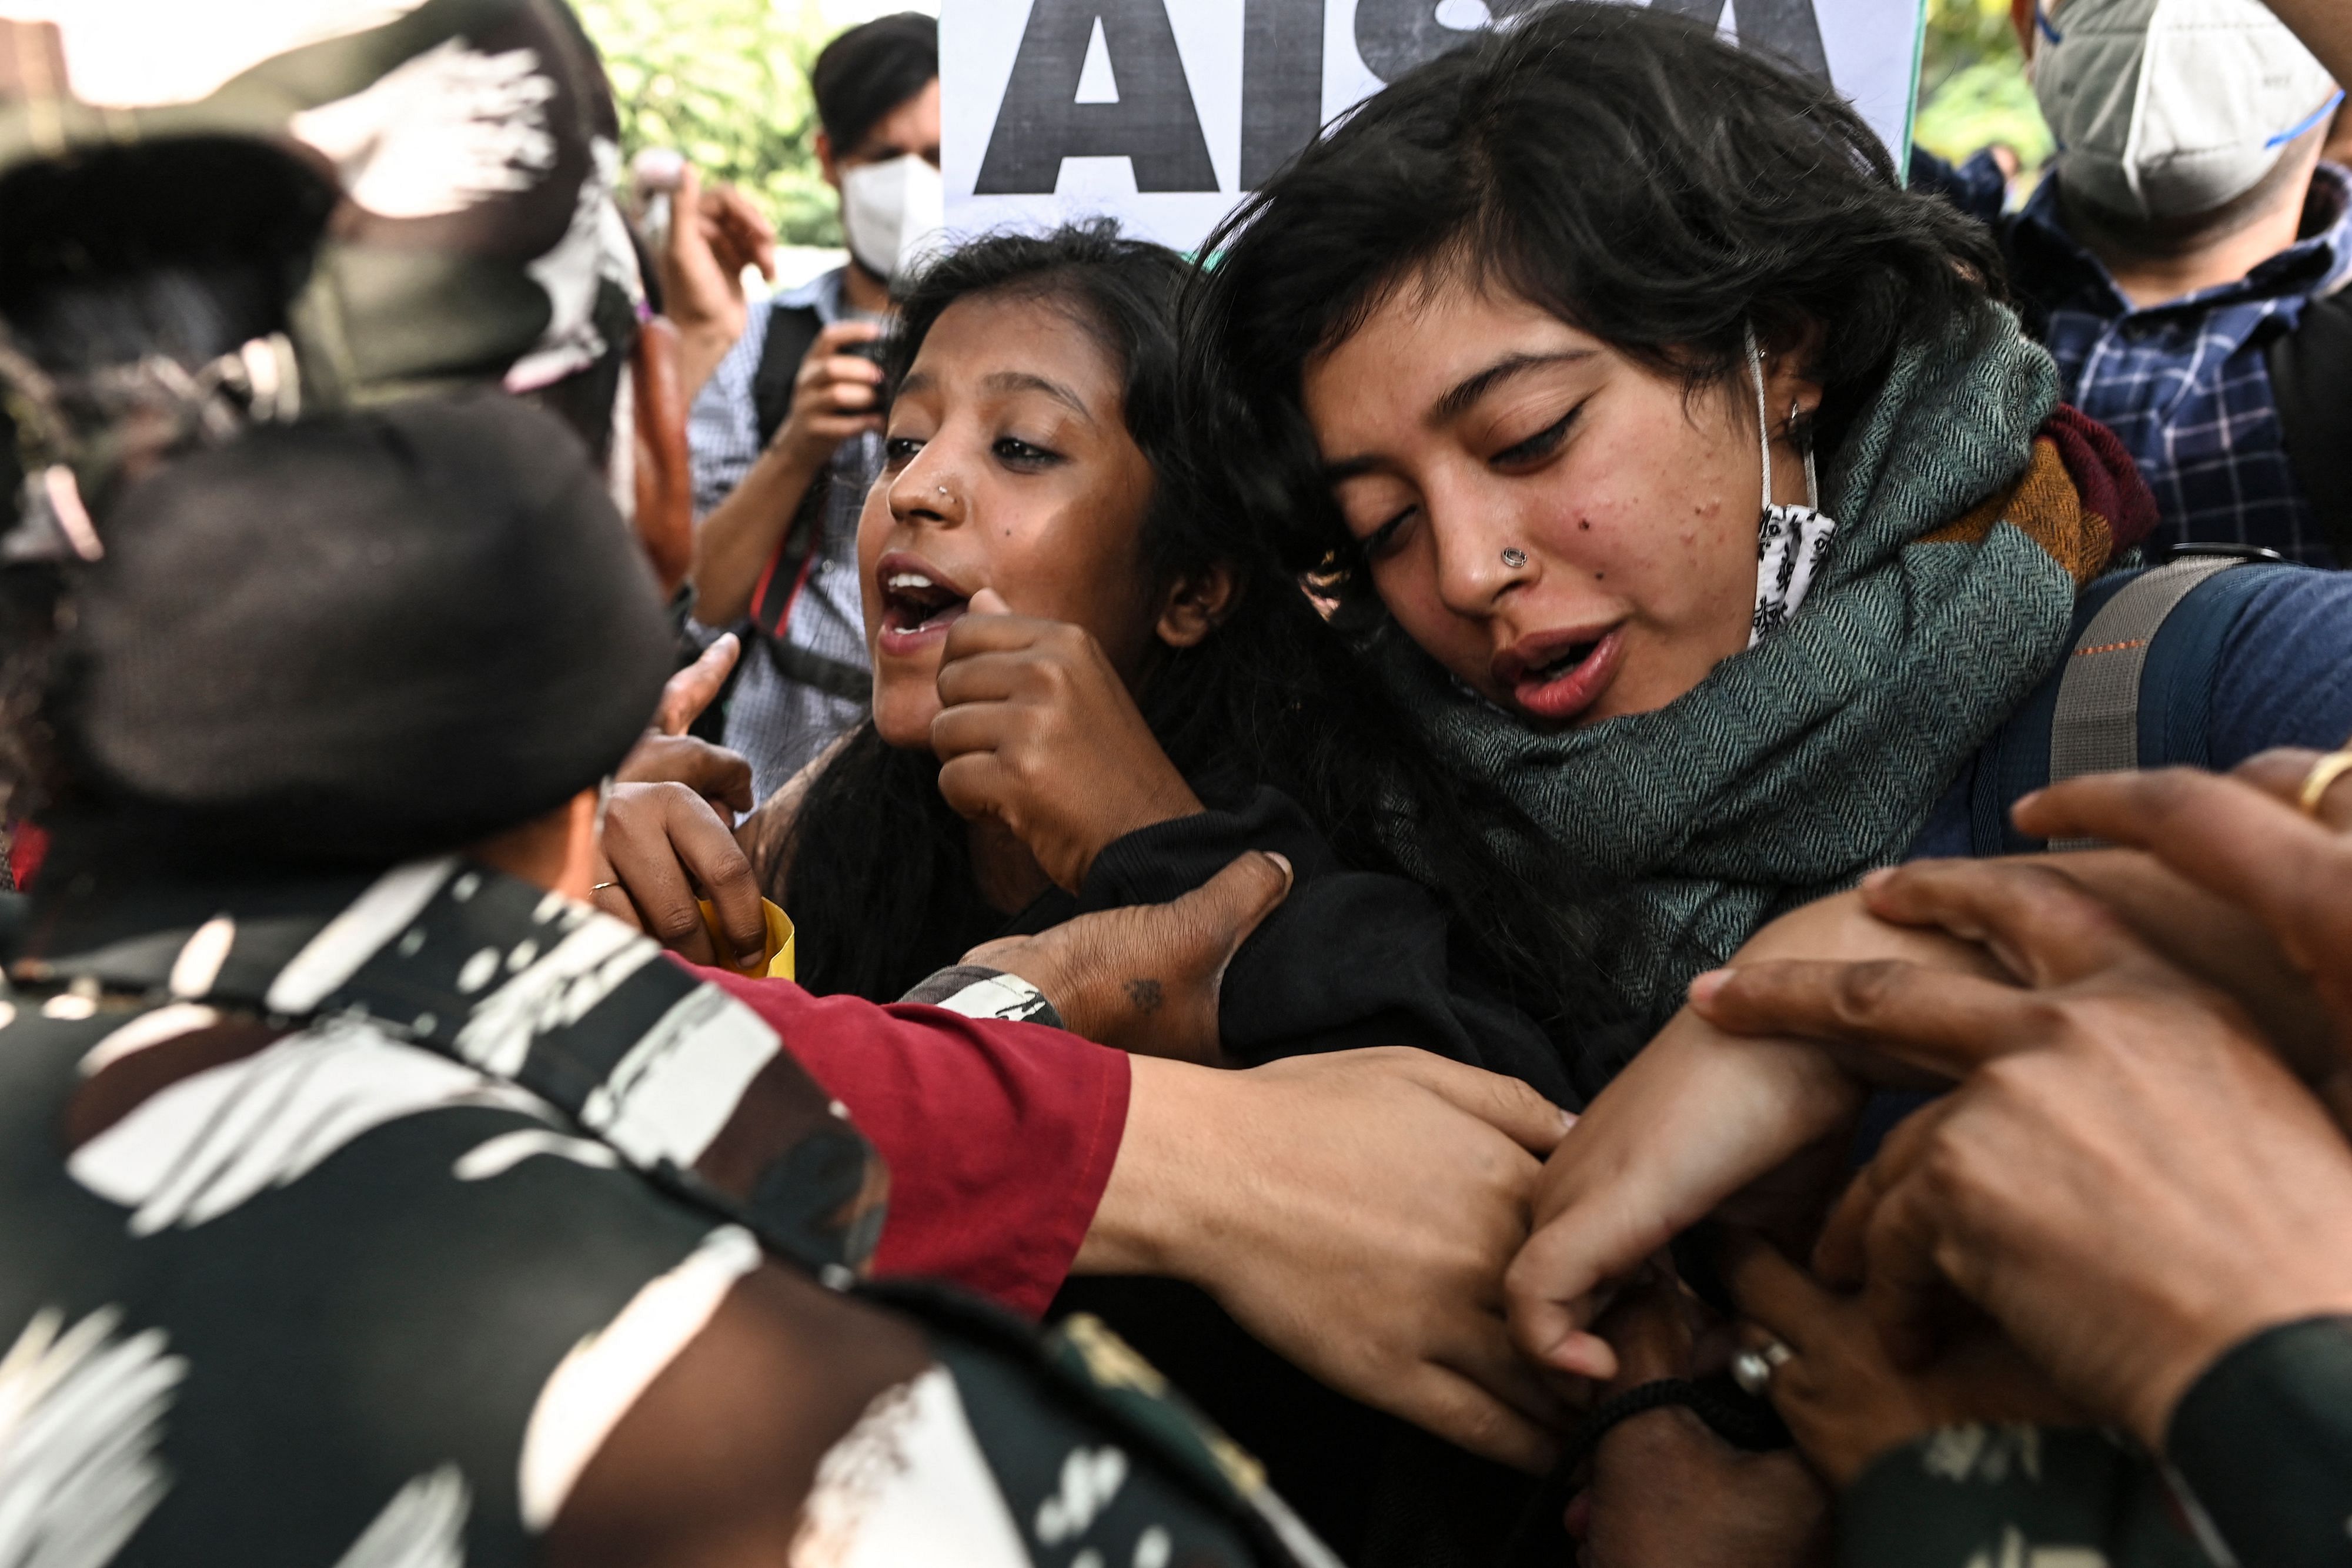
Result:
[{"x": 1791, "y": 542}]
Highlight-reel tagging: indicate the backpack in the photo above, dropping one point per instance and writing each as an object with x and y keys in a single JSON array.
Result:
[
  {"x": 790, "y": 334},
  {"x": 2310, "y": 386},
  {"x": 2136, "y": 691}
]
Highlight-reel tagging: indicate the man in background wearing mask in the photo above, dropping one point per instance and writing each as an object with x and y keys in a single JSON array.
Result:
[
  {"x": 787, "y": 438},
  {"x": 2187, "y": 224}
]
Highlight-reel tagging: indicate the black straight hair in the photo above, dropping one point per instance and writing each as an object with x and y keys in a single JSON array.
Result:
[
  {"x": 878, "y": 872},
  {"x": 1619, "y": 166},
  {"x": 870, "y": 70}
]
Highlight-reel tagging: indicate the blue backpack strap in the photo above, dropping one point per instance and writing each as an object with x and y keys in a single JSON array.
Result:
[{"x": 2176, "y": 673}]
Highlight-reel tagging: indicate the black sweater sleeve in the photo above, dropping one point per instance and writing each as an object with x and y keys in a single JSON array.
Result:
[
  {"x": 2263, "y": 1442},
  {"x": 1352, "y": 959}
]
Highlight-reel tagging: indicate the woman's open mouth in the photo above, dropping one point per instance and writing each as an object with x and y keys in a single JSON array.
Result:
[
  {"x": 919, "y": 604},
  {"x": 1555, "y": 679}
]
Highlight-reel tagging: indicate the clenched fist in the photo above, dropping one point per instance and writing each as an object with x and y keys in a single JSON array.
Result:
[{"x": 1038, "y": 731}]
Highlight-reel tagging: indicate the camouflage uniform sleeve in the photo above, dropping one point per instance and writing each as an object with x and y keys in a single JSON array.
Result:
[
  {"x": 1098, "y": 1460},
  {"x": 2262, "y": 1442},
  {"x": 2014, "y": 1497}
]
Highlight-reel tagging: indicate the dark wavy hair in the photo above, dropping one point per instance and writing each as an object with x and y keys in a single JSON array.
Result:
[
  {"x": 878, "y": 870},
  {"x": 1619, "y": 166}
]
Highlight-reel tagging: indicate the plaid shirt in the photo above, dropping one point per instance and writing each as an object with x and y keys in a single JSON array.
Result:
[{"x": 2187, "y": 384}]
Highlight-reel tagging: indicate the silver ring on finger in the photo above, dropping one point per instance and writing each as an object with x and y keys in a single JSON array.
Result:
[{"x": 1753, "y": 1369}]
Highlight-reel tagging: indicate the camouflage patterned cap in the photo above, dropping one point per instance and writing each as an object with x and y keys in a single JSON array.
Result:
[{"x": 471, "y": 144}]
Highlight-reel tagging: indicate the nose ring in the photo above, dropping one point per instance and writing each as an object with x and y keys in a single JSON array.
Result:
[{"x": 1515, "y": 558}]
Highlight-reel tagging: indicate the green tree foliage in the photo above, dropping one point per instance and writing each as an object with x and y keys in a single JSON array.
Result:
[
  {"x": 726, "y": 83},
  {"x": 1972, "y": 86}
]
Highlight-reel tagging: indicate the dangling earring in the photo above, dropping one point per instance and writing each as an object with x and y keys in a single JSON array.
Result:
[
  {"x": 1792, "y": 542},
  {"x": 1812, "y": 484}
]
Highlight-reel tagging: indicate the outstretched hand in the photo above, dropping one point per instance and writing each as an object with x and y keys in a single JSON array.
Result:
[
  {"x": 1353, "y": 1211},
  {"x": 1700, "y": 1117},
  {"x": 1147, "y": 978},
  {"x": 669, "y": 755},
  {"x": 2243, "y": 839},
  {"x": 694, "y": 689},
  {"x": 2123, "y": 1147},
  {"x": 1844, "y": 1399},
  {"x": 1038, "y": 731}
]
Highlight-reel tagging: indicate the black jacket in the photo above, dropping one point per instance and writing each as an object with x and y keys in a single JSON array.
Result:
[{"x": 1352, "y": 959}]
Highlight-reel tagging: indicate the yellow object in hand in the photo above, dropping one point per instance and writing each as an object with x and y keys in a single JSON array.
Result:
[{"x": 776, "y": 962}]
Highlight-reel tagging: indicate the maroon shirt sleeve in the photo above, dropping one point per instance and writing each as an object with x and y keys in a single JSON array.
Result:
[{"x": 1000, "y": 1136}]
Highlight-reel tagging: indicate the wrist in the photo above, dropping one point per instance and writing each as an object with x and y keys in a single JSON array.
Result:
[
  {"x": 1033, "y": 966},
  {"x": 2200, "y": 1343},
  {"x": 1159, "y": 1213},
  {"x": 706, "y": 333},
  {"x": 1171, "y": 802},
  {"x": 794, "y": 459},
  {"x": 980, "y": 991}
]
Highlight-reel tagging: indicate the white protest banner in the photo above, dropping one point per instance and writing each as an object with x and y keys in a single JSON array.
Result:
[{"x": 1165, "y": 113}]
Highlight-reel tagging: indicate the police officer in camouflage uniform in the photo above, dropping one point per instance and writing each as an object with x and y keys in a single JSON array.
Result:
[{"x": 368, "y": 1199}]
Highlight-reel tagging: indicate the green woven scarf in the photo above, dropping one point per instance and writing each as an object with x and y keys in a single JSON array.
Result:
[{"x": 1804, "y": 762}]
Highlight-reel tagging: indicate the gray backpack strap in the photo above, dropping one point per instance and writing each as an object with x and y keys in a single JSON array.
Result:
[{"x": 2096, "y": 726}]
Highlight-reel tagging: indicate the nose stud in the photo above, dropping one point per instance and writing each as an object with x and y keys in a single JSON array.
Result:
[{"x": 1515, "y": 558}]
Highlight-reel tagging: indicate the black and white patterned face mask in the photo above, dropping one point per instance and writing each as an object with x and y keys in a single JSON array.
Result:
[{"x": 1791, "y": 542}]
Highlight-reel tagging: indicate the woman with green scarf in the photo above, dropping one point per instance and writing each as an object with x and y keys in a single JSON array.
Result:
[
  {"x": 1681, "y": 471},
  {"x": 1686, "y": 478}
]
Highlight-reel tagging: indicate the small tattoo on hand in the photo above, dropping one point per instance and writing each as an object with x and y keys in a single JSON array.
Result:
[{"x": 1145, "y": 995}]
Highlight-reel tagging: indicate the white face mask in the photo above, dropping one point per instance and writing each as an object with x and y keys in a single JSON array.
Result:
[
  {"x": 1791, "y": 542},
  {"x": 893, "y": 213},
  {"x": 2172, "y": 108}
]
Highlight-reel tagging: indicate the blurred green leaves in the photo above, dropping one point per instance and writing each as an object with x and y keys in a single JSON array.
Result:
[
  {"x": 726, "y": 83},
  {"x": 1972, "y": 86}
]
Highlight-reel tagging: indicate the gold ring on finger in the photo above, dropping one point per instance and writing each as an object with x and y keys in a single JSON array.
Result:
[{"x": 2321, "y": 779}]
